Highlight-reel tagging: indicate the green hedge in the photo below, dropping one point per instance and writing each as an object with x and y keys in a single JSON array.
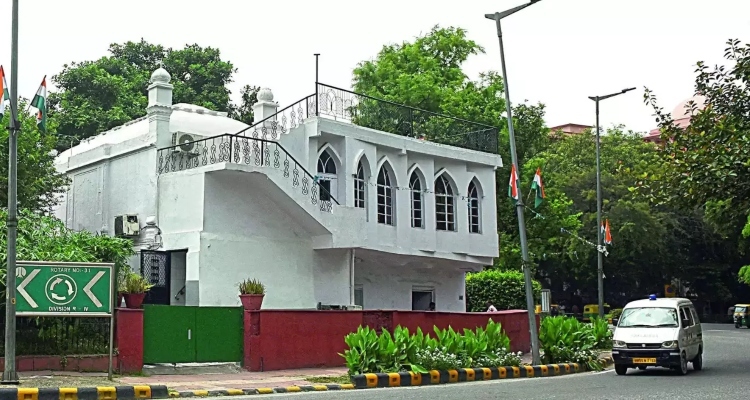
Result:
[{"x": 504, "y": 289}]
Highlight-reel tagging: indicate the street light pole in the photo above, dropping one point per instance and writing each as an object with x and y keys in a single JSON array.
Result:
[
  {"x": 9, "y": 374},
  {"x": 519, "y": 204},
  {"x": 600, "y": 255}
]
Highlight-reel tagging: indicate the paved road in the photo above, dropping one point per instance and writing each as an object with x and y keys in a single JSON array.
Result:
[{"x": 725, "y": 376}]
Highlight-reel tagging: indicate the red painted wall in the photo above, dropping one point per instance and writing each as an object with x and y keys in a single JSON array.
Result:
[
  {"x": 93, "y": 363},
  {"x": 129, "y": 340},
  {"x": 289, "y": 339}
]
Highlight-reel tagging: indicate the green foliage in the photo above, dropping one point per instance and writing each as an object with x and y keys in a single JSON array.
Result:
[
  {"x": 504, "y": 289},
  {"x": 369, "y": 352},
  {"x": 744, "y": 273},
  {"x": 135, "y": 283},
  {"x": 567, "y": 340},
  {"x": 253, "y": 286},
  {"x": 99, "y": 95},
  {"x": 39, "y": 183},
  {"x": 707, "y": 161},
  {"x": 45, "y": 238}
]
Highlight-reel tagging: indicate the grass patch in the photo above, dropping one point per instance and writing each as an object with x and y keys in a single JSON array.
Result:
[
  {"x": 62, "y": 381},
  {"x": 340, "y": 379}
]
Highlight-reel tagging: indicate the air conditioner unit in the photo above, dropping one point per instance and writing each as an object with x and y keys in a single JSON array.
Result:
[
  {"x": 185, "y": 142},
  {"x": 127, "y": 225}
]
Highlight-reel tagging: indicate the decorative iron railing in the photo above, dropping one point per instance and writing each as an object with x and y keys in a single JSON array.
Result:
[
  {"x": 246, "y": 150},
  {"x": 60, "y": 336},
  {"x": 387, "y": 116},
  {"x": 282, "y": 121}
]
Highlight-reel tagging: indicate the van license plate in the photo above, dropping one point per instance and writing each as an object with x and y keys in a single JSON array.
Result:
[{"x": 644, "y": 361}]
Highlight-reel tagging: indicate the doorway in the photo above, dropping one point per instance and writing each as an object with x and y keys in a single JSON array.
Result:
[{"x": 156, "y": 269}]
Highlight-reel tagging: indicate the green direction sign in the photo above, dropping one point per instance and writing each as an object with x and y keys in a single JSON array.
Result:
[{"x": 64, "y": 289}]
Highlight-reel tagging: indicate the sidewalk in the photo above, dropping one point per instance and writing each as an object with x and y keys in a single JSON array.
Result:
[{"x": 242, "y": 380}]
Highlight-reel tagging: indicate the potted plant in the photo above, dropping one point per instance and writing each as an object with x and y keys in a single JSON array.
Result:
[
  {"x": 136, "y": 287},
  {"x": 251, "y": 294}
]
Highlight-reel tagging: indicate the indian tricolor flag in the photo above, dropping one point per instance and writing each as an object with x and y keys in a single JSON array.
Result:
[
  {"x": 513, "y": 184},
  {"x": 4, "y": 91},
  {"x": 538, "y": 186},
  {"x": 40, "y": 103},
  {"x": 606, "y": 232}
]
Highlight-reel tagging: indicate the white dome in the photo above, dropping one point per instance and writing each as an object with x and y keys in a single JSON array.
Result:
[
  {"x": 160, "y": 75},
  {"x": 187, "y": 118}
]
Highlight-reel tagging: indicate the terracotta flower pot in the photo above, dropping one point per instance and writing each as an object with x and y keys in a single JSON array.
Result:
[
  {"x": 134, "y": 300},
  {"x": 251, "y": 301}
]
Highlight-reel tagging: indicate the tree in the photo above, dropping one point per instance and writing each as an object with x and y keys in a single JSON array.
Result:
[
  {"x": 95, "y": 96},
  {"x": 652, "y": 244},
  {"x": 427, "y": 74},
  {"x": 39, "y": 183},
  {"x": 708, "y": 162}
]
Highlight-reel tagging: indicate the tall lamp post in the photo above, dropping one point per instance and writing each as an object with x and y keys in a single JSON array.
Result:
[
  {"x": 519, "y": 204},
  {"x": 600, "y": 255},
  {"x": 9, "y": 373}
]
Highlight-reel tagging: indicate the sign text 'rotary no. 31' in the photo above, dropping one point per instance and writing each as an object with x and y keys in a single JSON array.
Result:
[{"x": 64, "y": 289}]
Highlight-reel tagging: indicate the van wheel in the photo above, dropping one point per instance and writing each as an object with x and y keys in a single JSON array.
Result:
[
  {"x": 621, "y": 369},
  {"x": 683, "y": 369},
  {"x": 698, "y": 362}
]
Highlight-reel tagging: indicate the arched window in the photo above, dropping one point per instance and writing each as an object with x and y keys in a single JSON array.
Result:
[
  {"x": 385, "y": 197},
  {"x": 326, "y": 175},
  {"x": 445, "y": 205},
  {"x": 417, "y": 205},
  {"x": 359, "y": 187},
  {"x": 473, "y": 197}
]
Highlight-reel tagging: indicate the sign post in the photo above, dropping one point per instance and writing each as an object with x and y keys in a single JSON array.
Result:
[{"x": 62, "y": 289}]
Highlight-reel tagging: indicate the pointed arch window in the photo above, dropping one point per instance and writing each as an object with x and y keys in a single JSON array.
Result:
[
  {"x": 445, "y": 205},
  {"x": 326, "y": 175},
  {"x": 385, "y": 197},
  {"x": 474, "y": 211},
  {"x": 417, "y": 203},
  {"x": 359, "y": 187}
]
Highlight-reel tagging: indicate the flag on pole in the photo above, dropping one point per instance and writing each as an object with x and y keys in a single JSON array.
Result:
[
  {"x": 40, "y": 103},
  {"x": 539, "y": 187},
  {"x": 513, "y": 184},
  {"x": 606, "y": 232},
  {"x": 4, "y": 91}
]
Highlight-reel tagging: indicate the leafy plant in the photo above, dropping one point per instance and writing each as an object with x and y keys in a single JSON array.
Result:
[
  {"x": 602, "y": 335},
  {"x": 504, "y": 289},
  {"x": 135, "y": 283},
  {"x": 252, "y": 287},
  {"x": 565, "y": 339},
  {"x": 418, "y": 352}
]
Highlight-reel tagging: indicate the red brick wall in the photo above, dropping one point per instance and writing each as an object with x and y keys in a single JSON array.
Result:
[{"x": 289, "y": 339}]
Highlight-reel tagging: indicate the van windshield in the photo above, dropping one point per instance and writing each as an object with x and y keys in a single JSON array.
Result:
[{"x": 648, "y": 317}]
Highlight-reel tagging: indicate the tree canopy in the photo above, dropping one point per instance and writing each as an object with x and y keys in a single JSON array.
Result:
[
  {"x": 39, "y": 183},
  {"x": 95, "y": 96},
  {"x": 707, "y": 164}
]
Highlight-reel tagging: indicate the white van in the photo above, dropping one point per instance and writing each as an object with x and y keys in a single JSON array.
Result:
[{"x": 658, "y": 333}]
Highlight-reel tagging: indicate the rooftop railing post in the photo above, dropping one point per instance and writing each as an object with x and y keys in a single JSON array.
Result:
[{"x": 317, "y": 96}]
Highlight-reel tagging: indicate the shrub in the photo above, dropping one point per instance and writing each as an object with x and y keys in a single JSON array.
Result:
[
  {"x": 419, "y": 352},
  {"x": 565, "y": 340},
  {"x": 602, "y": 335},
  {"x": 504, "y": 289},
  {"x": 616, "y": 313},
  {"x": 45, "y": 238}
]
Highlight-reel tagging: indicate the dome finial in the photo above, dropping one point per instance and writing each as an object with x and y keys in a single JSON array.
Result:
[
  {"x": 265, "y": 94},
  {"x": 160, "y": 75}
]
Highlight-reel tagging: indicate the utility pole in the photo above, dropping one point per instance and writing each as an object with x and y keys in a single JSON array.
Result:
[
  {"x": 519, "y": 204},
  {"x": 600, "y": 234},
  {"x": 9, "y": 374}
]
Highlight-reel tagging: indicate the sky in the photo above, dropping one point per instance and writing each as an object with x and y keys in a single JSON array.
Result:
[{"x": 558, "y": 52}]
